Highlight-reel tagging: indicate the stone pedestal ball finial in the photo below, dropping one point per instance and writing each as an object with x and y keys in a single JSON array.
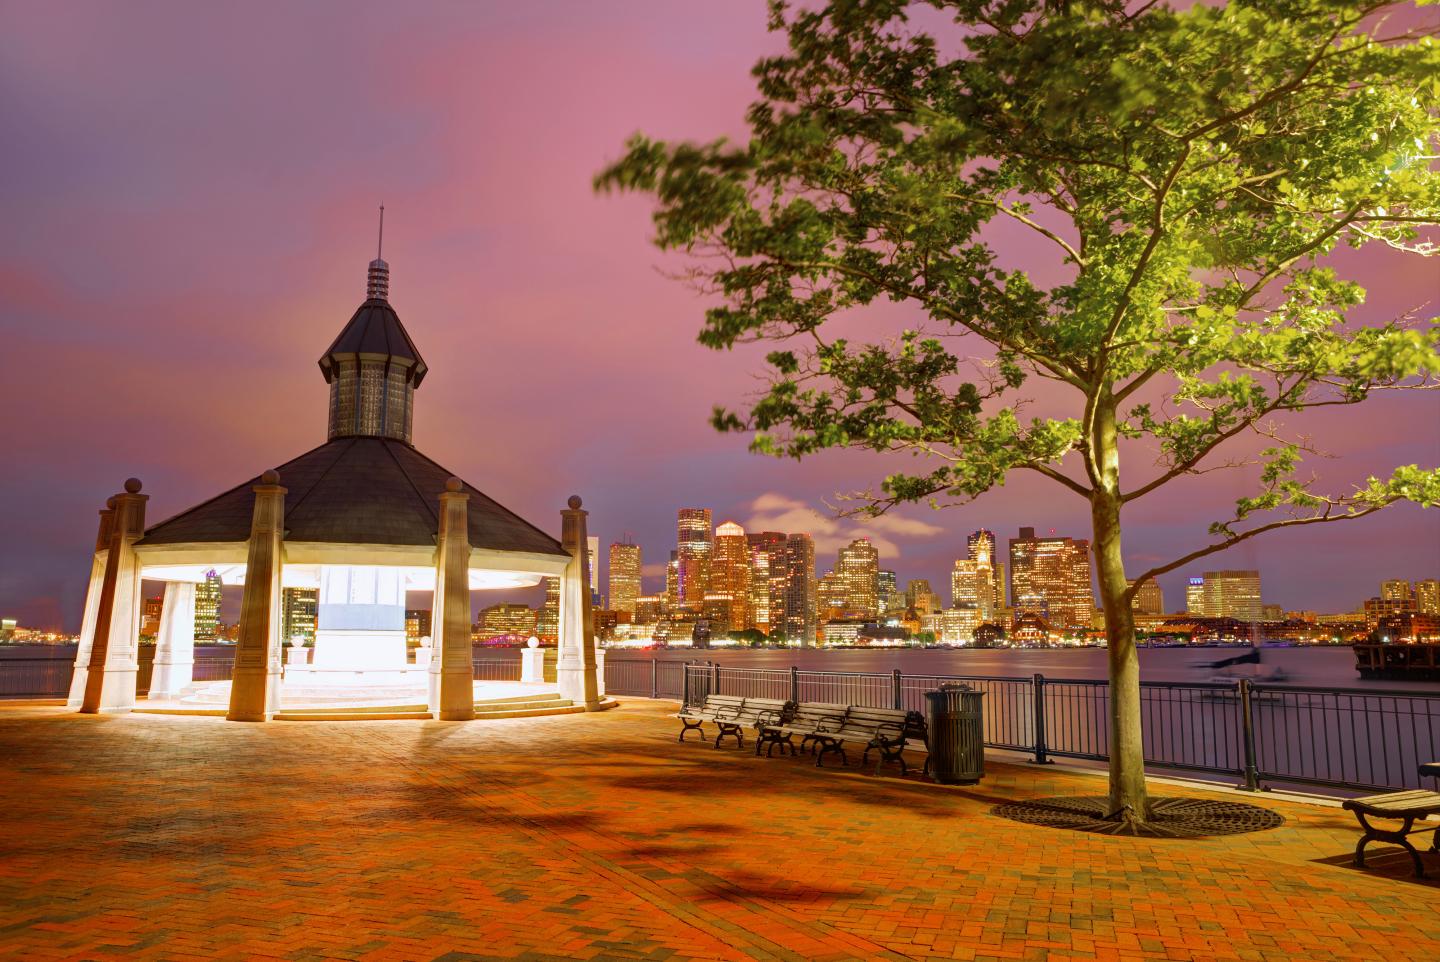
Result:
[
  {"x": 574, "y": 502},
  {"x": 270, "y": 477},
  {"x": 132, "y": 485},
  {"x": 110, "y": 503},
  {"x": 533, "y": 642},
  {"x": 454, "y": 485}
]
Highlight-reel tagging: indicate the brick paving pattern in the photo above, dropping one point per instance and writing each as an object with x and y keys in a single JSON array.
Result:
[{"x": 598, "y": 837}]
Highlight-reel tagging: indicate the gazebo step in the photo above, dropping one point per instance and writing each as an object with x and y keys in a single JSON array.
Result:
[
  {"x": 557, "y": 707},
  {"x": 541, "y": 696},
  {"x": 353, "y": 715},
  {"x": 358, "y": 709},
  {"x": 524, "y": 705},
  {"x": 213, "y": 712}
]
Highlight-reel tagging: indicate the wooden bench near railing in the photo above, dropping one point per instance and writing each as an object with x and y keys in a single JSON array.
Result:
[{"x": 731, "y": 715}]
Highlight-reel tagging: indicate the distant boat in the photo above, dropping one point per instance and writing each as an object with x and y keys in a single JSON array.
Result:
[{"x": 1246, "y": 667}]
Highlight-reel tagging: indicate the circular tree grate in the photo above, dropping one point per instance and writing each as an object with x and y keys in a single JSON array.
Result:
[{"x": 1169, "y": 817}]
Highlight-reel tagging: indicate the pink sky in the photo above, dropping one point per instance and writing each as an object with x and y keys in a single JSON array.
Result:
[{"x": 189, "y": 194}]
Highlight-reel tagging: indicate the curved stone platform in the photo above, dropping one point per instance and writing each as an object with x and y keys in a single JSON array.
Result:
[{"x": 493, "y": 699}]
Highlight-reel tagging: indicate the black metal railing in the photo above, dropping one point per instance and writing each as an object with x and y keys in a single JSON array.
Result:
[
  {"x": 1339, "y": 739},
  {"x": 35, "y": 677}
]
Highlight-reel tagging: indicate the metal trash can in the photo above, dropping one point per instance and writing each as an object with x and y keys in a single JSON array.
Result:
[{"x": 957, "y": 734}]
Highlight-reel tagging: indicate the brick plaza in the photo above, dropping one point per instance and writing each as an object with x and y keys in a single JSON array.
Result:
[{"x": 598, "y": 837}]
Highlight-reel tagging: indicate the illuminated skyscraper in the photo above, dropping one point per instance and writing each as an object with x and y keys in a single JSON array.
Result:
[
  {"x": 672, "y": 580},
  {"x": 858, "y": 570},
  {"x": 207, "y": 607},
  {"x": 624, "y": 583},
  {"x": 767, "y": 581},
  {"x": 892, "y": 602},
  {"x": 1195, "y": 597},
  {"x": 800, "y": 590},
  {"x": 1233, "y": 594},
  {"x": 972, "y": 583},
  {"x": 417, "y": 625},
  {"x": 830, "y": 597},
  {"x": 1148, "y": 599},
  {"x": 299, "y": 609},
  {"x": 592, "y": 556},
  {"x": 1427, "y": 597},
  {"x": 547, "y": 619},
  {"x": 730, "y": 574},
  {"x": 695, "y": 544},
  {"x": 1225, "y": 594},
  {"x": 1051, "y": 577},
  {"x": 985, "y": 537}
]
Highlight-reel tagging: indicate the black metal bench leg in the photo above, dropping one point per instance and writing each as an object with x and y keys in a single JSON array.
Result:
[{"x": 689, "y": 728}]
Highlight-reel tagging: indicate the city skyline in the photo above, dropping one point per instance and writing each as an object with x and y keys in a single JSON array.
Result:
[{"x": 114, "y": 257}]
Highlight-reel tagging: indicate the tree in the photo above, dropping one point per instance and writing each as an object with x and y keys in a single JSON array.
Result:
[{"x": 1184, "y": 175}]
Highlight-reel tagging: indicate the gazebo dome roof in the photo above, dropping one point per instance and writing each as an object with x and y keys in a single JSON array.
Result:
[
  {"x": 356, "y": 490},
  {"x": 374, "y": 332}
]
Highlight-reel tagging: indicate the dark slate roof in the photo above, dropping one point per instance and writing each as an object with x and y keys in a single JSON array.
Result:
[
  {"x": 375, "y": 329},
  {"x": 358, "y": 490}
]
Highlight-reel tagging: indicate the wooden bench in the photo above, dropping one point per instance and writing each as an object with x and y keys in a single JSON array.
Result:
[
  {"x": 1405, "y": 806},
  {"x": 731, "y": 715},
  {"x": 803, "y": 720},
  {"x": 885, "y": 730}
]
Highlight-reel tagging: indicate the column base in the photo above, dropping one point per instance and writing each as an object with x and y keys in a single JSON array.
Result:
[{"x": 117, "y": 692}]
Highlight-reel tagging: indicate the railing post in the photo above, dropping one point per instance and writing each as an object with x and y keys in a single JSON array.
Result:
[
  {"x": 714, "y": 677},
  {"x": 685, "y": 684},
  {"x": 654, "y": 677},
  {"x": 795, "y": 684},
  {"x": 1041, "y": 757},
  {"x": 899, "y": 699},
  {"x": 1247, "y": 732}
]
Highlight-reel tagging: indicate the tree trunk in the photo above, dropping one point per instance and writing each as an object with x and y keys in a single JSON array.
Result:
[{"x": 1127, "y": 754}]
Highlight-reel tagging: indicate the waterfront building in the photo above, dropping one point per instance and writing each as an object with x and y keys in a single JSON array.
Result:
[
  {"x": 1396, "y": 590},
  {"x": 1271, "y": 613},
  {"x": 648, "y": 609},
  {"x": 300, "y": 609},
  {"x": 842, "y": 631},
  {"x": 800, "y": 599},
  {"x": 958, "y": 624},
  {"x": 624, "y": 582},
  {"x": 892, "y": 600},
  {"x": 1226, "y": 594},
  {"x": 695, "y": 544},
  {"x": 672, "y": 580},
  {"x": 858, "y": 572},
  {"x": 1148, "y": 598},
  {"x": 1051, "y": 577},
  {"x": 730, "y": 574},
  {"x": 507, "y": 620},
  {"x": 918, "y": 595},
  {"x": 1427, "y": 597},
  {"x": 767, "y": 581},
  {"x": 1407, "y": 628},
  {"x": 417, "y": 626},
  {"x": 207, "y": 607},
  {"x": 1376, "y": 608}
]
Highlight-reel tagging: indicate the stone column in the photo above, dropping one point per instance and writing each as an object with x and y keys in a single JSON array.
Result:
[
  {"x": 175, "y": 646},
  {"x": 450, "y": 617},
  {"x": 110, "y": 677},
  {"x": 92, "y": 607},
  {"x": 575, "y": 670},
  {"x": 255, "y": 685}
]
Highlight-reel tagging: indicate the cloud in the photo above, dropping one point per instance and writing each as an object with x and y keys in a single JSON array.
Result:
[{"x": 773, "y": 511}]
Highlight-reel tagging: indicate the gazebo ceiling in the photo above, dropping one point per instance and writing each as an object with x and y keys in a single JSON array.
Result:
[{"x": 356, "y": 490}]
